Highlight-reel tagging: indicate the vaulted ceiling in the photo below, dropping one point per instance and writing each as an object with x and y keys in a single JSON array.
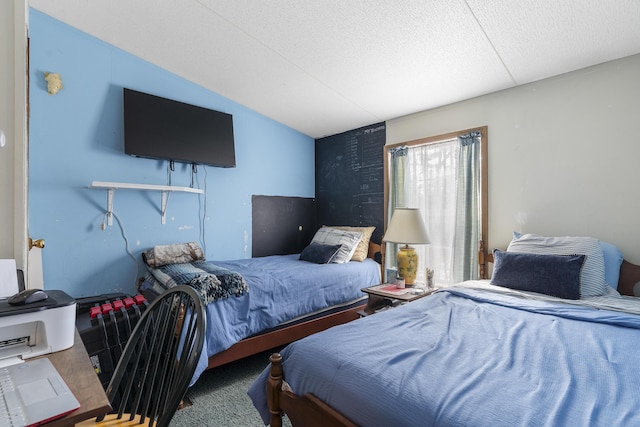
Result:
[{"x": 327, "y": 66}]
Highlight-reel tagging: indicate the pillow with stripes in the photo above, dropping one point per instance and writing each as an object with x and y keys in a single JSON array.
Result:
[
  {"x": 348, "y": 241},
  {"x": 592, "y": 281}
]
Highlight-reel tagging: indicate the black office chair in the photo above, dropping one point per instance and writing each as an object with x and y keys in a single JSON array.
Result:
[{"x": 158, "y": 362}]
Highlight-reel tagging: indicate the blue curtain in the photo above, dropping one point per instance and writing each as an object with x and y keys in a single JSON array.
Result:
[
  {"x": 396, "y": 197},
  {"x": 468, "y": 212}
]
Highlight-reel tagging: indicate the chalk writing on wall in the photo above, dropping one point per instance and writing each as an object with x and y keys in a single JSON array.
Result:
[{"x": 350, "y": 178}]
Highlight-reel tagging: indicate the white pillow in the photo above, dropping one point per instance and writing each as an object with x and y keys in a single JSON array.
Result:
[
  {"x": 348, "y": 241},
  {"x": 592, "y": 282}
]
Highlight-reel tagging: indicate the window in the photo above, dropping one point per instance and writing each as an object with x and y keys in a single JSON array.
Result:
[{"x": 446, "y": 178}]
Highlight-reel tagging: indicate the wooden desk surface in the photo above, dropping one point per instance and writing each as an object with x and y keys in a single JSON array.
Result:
[{"x": 75, "y": 368}]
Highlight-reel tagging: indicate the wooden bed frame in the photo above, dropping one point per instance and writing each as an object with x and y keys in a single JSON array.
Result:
[
  {"x": 259, "y": 343},
  {"x": 309, "y": 411}
]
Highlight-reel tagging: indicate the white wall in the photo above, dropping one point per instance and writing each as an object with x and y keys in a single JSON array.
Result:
[
  {"x": 13, "y": 222},
  {"x": 564, "y": 153}
]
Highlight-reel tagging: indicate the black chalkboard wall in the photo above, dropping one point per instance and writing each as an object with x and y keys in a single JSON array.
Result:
[{"x": 350, "y": 178}]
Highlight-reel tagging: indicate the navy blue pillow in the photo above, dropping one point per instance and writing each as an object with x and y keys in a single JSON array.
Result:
[
  {"x": 319, "y": 253},
  {"x": 555, "y": 275}
]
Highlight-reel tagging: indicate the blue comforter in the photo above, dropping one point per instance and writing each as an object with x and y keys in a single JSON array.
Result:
[
  {"x": 466, "y": 357},
  {"x": 281, "y": 289}
]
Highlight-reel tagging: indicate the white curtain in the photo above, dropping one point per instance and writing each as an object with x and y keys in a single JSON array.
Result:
[{"x": 430, "y": 184}]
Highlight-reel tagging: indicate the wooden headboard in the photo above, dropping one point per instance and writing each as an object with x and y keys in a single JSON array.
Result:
[{"x": 629, "y": 276}]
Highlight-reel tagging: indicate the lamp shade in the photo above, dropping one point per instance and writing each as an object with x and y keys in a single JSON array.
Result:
[{"x": 407, "y": 227}]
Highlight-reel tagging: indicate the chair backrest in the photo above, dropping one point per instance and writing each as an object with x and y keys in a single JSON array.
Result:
[{"x": 160, "y": 358}]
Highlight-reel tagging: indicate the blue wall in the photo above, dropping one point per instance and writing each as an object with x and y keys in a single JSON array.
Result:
[{"x": 76, "y": 137}]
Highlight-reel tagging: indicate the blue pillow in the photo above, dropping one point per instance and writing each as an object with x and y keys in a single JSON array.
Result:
[
  {"x": 555, "y": 275},
  {"x": 612, "y": 262},
  {"x": 319, "y": 253}
]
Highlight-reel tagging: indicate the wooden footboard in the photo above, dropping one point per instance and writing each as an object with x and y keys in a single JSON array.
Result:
[{"x": 303, "y": 411}]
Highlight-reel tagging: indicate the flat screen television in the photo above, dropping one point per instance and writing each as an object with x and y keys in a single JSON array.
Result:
[{"x": 160, "y": 128}]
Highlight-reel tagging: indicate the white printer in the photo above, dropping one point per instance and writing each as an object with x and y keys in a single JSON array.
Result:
[{"x": 38, "y": 328}]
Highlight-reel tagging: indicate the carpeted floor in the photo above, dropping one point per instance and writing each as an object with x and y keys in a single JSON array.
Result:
[{"x": 219, "y": 397}]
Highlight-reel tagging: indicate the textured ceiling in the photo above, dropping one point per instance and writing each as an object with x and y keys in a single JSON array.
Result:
[{"x": 327, "y": 66}]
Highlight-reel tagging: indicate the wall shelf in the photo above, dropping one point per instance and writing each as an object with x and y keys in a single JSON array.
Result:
[{"x": 111, "y": 188}]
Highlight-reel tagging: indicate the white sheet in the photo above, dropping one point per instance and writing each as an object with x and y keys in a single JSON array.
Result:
[{"x": 612, "y": 301}]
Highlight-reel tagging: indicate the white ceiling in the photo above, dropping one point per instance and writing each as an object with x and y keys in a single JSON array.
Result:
[{"x": 327, "y": 66}]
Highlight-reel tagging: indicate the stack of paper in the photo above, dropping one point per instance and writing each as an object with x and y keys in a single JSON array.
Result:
[{"x": 8, "y": 278}]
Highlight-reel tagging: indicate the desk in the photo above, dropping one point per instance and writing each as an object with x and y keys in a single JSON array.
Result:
[{"x": 75, "y": 368}]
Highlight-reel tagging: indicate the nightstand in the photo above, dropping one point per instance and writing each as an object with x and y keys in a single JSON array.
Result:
[{"x": 385, "y": 296}]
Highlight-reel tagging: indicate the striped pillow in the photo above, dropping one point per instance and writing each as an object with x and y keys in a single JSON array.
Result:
[
  {"x": 348, "y": 241},
  {"x": 592, "y": 282},
  {"x": 362, "y": 250}
]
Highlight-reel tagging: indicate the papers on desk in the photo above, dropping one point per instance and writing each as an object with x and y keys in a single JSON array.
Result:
[
  {"x": 392, "y": 291},
  {"x": 8, "y": 278}
]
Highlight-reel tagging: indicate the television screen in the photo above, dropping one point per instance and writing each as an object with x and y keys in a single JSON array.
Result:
[{"x": 160, "y": 128}]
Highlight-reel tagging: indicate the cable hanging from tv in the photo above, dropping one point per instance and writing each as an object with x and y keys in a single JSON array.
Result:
[{"x": 194, "y": 171}]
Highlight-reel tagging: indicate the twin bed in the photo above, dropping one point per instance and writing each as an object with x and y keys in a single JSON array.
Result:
[
  {"x": 260, "y": 303},
  {"x": 503, "y": 352}
]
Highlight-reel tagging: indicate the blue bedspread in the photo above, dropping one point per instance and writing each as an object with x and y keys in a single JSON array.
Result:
[
  {"x": 281, "y": 288},
  {"x": 465, "y": 357}
]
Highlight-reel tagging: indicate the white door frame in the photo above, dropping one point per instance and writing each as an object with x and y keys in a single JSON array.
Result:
[{"x": 21, "y": 158}]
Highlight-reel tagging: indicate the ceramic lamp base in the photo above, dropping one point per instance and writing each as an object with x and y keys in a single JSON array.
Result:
[{"x": 407, "y": 264}]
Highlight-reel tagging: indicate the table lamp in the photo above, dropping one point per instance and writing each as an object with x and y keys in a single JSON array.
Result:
[{"x": 407, "y": 227}]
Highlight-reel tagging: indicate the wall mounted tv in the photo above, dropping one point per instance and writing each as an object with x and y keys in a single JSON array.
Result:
[{"x": 160, "y": 128}]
